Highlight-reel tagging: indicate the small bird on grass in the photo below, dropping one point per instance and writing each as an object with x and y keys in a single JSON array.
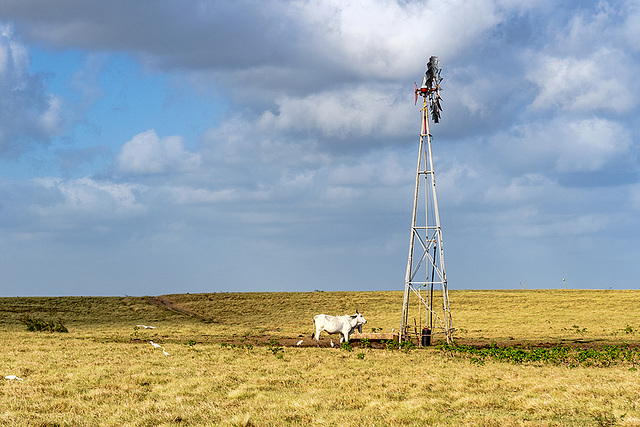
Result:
[
  {"x": 13, "y": 377},
  {"x": 155, "y": 345},
  {"x": 299, "y": 343},
  {"x": 165, "y": 352},
  {"x": 146, "y": 327},
  {"x": 332, "y": 343}
]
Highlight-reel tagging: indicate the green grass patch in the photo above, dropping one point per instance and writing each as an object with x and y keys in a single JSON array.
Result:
[{"x": 601, "y": 356}]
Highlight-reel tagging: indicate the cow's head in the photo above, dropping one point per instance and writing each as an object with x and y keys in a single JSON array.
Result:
[{"x": 360, "y": 320}]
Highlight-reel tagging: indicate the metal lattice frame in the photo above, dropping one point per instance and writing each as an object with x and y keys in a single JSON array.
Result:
[{"x": 425, "y": 266}]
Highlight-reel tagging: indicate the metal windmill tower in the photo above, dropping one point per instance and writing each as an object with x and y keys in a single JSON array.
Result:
[{"x": 425, "y": 267}]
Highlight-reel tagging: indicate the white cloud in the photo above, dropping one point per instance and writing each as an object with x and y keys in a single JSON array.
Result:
[
  {"x": 530, "y": 222},
  {"x": 475, "y": 96},
  {"x": 371, "y": 38},
  {"x": 51, "y": 120},
  {"x": 362, "y": 111},
  {"x": 14, "y": 59},
  {"x": 601, "y": 82},
  {"x": 378, "y": 168},
  {"x": 88, "y": 197},
  {"x": 185, "y": 195},
  {"x": 527, "y": 188},
  {"x": 387, "y": 38},
  {"x": 459, "y": 183},
  {"x": 631, "y": 27},
  {"x": 565, "y": 145},
  {"x": 146, "y": 153},
  {"x": 27, "y": 113},
  {"x": 589, "y": 27},
  {"x": 259, "y": 161},
  {"x": 588, "y": 145}
]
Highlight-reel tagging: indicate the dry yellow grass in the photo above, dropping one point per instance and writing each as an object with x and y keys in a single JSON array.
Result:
[
  {"x": 105, "y": 372},
  {"x": 596, "y": 316}
]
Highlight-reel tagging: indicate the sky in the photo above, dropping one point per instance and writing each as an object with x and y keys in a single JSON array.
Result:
[{"x": 156, "y": 147}]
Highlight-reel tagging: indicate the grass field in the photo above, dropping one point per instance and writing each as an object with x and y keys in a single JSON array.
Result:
[{"x": 233, "y": 361}]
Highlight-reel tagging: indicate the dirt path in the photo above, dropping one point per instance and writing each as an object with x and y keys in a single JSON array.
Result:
[{"x": 176, "y": 308}]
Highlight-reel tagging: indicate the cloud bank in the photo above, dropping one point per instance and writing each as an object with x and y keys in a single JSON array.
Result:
[{"x": 272, "y": 145}]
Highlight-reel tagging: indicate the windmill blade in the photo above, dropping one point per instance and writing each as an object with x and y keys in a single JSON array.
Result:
[
  {"x": 436, "y": 104},
  {"x": 431, "y": 88}
]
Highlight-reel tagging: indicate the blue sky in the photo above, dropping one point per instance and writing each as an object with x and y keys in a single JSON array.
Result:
[{"x": 156, "y": 147}]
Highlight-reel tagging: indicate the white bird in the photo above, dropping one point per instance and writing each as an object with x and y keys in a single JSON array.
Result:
[
  {"x": 13, "y": 377},
  {"x": 165, "y": 352},
  {"x": 332, "y": 343},
  {"x": 155, "y": 345},
  {"x": 146, "y": 327},
  {"x": 299, "y": 342}
]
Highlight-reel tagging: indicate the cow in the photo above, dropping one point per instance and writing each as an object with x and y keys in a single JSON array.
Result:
[{"x": 343, "y": 325}]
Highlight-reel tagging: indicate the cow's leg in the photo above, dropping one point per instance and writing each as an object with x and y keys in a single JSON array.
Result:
[{"x": 317, "y": 329}]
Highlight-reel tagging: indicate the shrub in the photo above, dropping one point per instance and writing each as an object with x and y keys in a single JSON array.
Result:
[
  {"x": 276, "y": 348},
  {"x": 390, "y": 344},
  {"x": 239, "y": 346},
  {"x": 407, "y": 346},
  {"x": 35, "y": 324}
]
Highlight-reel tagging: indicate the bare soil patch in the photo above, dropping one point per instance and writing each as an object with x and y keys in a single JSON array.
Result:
[{"x": 307, "y": 341}]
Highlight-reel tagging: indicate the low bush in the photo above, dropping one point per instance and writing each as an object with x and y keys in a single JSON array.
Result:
[
  {"x": 35, "y": 324},
  {"x": 346, "y": 346},
  {"x": 276, "y": 348}
]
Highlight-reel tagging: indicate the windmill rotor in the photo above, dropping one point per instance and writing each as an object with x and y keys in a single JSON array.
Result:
[
  {"x": 430, "y": 88},
  {"x": 433, "y": 79}
]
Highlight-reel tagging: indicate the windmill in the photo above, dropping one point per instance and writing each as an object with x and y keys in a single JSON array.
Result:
[{"x": 426, "y": 275}]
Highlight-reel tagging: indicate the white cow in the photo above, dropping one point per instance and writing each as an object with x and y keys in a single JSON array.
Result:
[{"x": 343, "y": 325}]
